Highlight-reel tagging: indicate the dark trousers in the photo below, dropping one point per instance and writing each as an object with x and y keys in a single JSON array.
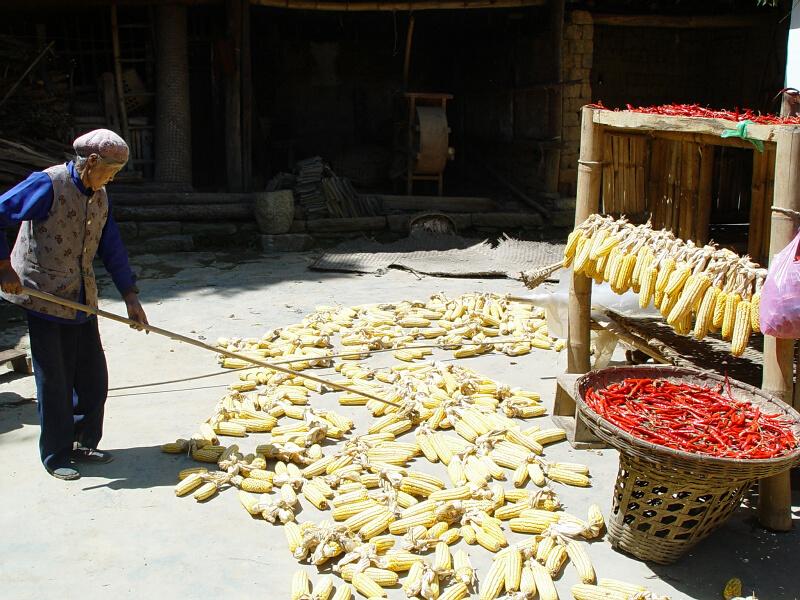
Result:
[{"x": 71, "y": 385}]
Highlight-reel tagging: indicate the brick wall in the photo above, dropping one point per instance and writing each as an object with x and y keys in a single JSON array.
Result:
[{"x": 576, "y": 69}]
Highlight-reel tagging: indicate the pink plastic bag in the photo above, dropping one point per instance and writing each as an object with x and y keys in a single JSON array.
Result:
[{"x": 780, "y": 296}]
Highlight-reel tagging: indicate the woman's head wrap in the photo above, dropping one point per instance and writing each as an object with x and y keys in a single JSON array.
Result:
[{"x": 103, "y": 142}]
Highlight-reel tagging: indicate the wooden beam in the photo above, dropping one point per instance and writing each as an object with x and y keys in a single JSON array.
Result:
[
  {"x": 392, "y": 6},
  {"x": 233, "y": 99},
  {"x": 690, "y": 125},
  {"x": 687, "y": 21},
  {"x": 774, "y": 494},
  {"x": 587, "y": 202}
]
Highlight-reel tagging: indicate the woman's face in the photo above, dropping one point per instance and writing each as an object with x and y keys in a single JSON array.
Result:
[{"x": 97, "y": 173}]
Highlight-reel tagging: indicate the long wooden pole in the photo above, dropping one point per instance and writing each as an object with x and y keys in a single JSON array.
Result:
[
  {"x": 393, "y": 6},
  {"x": 233, "y": 99},
  {"x": 197, "y": 343},
  {"x": 774, "y": 493},
  {"x": 556, "y": 94},
  {"x": 587, "y": 202}
]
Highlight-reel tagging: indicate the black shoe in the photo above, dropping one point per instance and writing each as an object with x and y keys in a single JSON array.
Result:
[
  {"x": 64, "y": 472},
  {"x": 91, "y": 455}
]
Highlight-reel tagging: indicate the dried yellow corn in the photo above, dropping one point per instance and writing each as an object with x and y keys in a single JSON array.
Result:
[
  {"x": 495, "y": 579},
  {"x": 206, "y": 491},
  {"x": 367, "y": 587},
  {"x": 188, "y": 484},
  {"x": 513, "y": 569},
  {"x": 301, "y": 586},
  {"x": 742, "y": 328},
  {"x": 729, "y": 315},
  {"x": 580, "y": 559},
  {"x": 583, "y": 591}
]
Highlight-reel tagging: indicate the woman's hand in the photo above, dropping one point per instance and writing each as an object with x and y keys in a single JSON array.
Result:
[
  {"x": 9, "y": 280},
  {"x": 135, "y": 310}
]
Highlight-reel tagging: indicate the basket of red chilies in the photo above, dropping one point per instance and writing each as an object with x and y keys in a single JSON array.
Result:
[{"x": 691, "y": 444}]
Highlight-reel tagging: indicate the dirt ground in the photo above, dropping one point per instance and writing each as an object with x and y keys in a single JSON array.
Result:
[{"x": 120, "y": 531}]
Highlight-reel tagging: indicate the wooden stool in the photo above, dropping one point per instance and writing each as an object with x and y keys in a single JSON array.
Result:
[{"x": 19, "y": 360}]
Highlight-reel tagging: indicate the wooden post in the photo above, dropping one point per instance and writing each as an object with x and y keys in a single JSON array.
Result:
[
  {"x": 774, "y": 493},
  {"x": 123, "y": 113},
  {"x": 556, "y": 94},
  {"x": 247, "y": 99},
  {"x": 407, "y": 57},
  {"x": 233, "y": 99},
  {"x": 587, "y": 202}
]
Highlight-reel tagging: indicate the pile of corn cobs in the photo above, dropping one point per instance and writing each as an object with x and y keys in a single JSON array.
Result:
[
  {"x": 696, "y": 288},
  {"x": 384, "y": 516}
]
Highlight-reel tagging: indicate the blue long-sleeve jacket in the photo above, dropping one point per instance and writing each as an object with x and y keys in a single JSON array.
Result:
[{"x": 32, "y": 199}]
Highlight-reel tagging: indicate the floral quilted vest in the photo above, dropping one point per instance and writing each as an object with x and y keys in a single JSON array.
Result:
[{"x": 55, "y": 254}]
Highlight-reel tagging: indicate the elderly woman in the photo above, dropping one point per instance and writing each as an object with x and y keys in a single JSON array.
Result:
[{"x": 66, "y": 222}]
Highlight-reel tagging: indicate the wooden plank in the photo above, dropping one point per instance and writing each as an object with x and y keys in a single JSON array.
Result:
[
  {"x": 396, "y": 5},
  {"x": 685, "y": 22},
  {"x": 774, "y": 497},
  {"x": 464, "y": 204},
  {"x": 20, "y": 363},
  {"x": 655, "y": 182},
  {"x": 704, "y": 192},
  {"x": 641, "y": 174},
  {"x": 188, "y": 212},
  {"x": 690, "y": 125}
]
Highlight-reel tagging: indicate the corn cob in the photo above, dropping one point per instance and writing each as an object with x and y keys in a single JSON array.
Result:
[
  {"x": 548, "y": 436},
  {"x": 755, "y": 313},
  {"x": 595, "y": 520},
  {"x": 647, "y": 286},
  {"x": 400, "y": 526},
  {"x": 462, "y": 568},
  {"x": 293, "y": 536},
  {"x": 323, "y": 588},
  {"x": 398, "y": 561},
  {"x": 495, "y": 579},
  {"x": 719, "y": 310},
  {"x": 376, "y": 526},
  {"x": 664, "y": 272},
  {"x": 205, "y": 491},
  {"x": 455, "y": 591},
  {"x": 257, "y": 486},
  {"x": 555, "y": 560},
  {"x": 732, "y": 301},
  {"x": 543, "y": 581},
  {"x": 469, "y": 535},
  {"x": 532, "y": 524},
  {"x": 742, "y": 328},
  {"x": 188, "y": 484},
  {"x": 367, "y": 587},
  {"x": 208, "y": 454},
  {"x": 301, "y": 587},
  {"x": 451, "y": 536},
  {"x": 622, "y": 587},
  {"x": 413, "y": 582},
  {"x": 582, "y": 591},
  {"x": 705, "y": 314},
  {"x": 184, "y": 473},
  {"x": 176, "y": 447},
  {"x": 580, "y": 558},
  {"x": 694, "y": 291},
  {"x": 491, "y": 538},
  {"x": 343, "y": 592},
  {"x": 442, "y": 561},
  {"x": 315, "y": 495},
  {"x": 230, "y": 429},
  {"x": 513, "y": 570},
  {"x": 357, "y": 521},
  {"x": 382, "y": 577},
  {"x": 536, "y": 474}
]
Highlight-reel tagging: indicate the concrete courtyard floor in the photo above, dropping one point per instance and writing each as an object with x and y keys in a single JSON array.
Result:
[{"x": 120, "y": 531}]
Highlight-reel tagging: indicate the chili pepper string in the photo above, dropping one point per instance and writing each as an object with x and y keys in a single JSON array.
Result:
[
  {"x": 695, "y": 110},
  {"x": 693, "y": 418}
]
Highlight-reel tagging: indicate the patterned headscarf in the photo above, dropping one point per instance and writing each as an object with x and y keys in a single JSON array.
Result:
[{"x": 103, "y": 142}]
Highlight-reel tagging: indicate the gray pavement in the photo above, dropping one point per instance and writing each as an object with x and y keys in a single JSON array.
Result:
[{"x": 120, "y": 532}]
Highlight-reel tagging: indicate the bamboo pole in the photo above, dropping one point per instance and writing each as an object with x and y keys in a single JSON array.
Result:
[
  {"x": 587, "y": 202},
  {"x": 198, "y": 344},
  {"x": 774, "y": 493},
  {"x": 704, "y": 193},
  {"x": 407, "y": 57}
]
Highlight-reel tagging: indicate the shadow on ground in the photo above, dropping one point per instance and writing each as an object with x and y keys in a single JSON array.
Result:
[
  {"x": 16, "y": 411},
  {"x": 743, "y": 549},
  {"x": 135, "y": 468}
]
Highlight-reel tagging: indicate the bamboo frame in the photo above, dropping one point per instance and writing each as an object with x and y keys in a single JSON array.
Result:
[{"x": 694, "y": 180}]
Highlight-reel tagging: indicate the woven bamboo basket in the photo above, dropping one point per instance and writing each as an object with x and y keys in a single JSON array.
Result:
[{"x": 665, "y": 500}]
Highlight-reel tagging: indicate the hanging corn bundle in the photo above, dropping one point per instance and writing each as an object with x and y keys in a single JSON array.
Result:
[{"x": 697, "y": 289}]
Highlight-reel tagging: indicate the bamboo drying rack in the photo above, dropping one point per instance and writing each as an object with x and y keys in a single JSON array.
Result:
[{"x": 779, "y": 163}]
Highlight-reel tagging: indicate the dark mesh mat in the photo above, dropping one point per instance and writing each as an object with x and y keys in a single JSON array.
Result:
[{"x": 442, "y": 255}]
